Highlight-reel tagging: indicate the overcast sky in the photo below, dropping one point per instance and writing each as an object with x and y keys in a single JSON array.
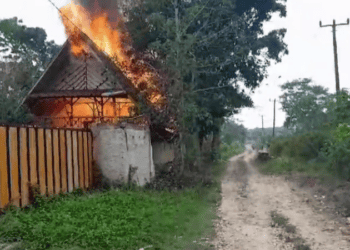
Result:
[{"x": 310, "y": 47}]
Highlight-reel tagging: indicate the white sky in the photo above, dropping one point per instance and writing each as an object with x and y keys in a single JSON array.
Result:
[{"x": 310, "y": 47}]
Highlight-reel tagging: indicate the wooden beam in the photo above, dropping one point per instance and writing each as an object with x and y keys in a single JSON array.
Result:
[{"x": 76, "y": 93}]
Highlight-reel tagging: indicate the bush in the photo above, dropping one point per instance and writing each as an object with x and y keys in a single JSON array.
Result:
[
  {"x": 305, "y": 147},
  {"x": 227, "y": 151},
  {"x": 338, "y": 155},
  {"x": 337, "y": 151}
]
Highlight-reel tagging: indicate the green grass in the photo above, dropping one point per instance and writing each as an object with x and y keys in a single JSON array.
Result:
[
  {"x": 286, "y": 165},
  {"x": 117, "y": 219},
  {"x": 227, "y": 151},
  {"x": 278, "y": 220}
]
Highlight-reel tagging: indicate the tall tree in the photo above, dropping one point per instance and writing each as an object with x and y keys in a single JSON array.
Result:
[
  {"x": 212, "y": 45},
  {"x": 305, "y": 105},
  {"x": 207, "y": 48},
  {"x": 233, "y": 132},
  {"x": 19, "y": 41},
  {"x": 24, "y": 55}
]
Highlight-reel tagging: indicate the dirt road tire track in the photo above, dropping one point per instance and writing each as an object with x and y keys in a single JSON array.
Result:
[{"x": 247, "y": 201}]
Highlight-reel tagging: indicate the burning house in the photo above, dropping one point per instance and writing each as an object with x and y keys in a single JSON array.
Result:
[
  {"x": 77, "y": 91},
  {"x": 95, "y": 79}
]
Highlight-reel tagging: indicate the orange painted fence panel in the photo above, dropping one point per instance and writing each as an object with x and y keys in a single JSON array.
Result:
[
  {"x": 14, "y": 180},
  {"x": 55, "y": 160},
  {"x": 4, "y": 182},
  {"x": 24, "y": 166}
]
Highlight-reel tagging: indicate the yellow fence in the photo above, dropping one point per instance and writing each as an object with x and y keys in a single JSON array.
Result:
[{"x": 53, "y": 159}]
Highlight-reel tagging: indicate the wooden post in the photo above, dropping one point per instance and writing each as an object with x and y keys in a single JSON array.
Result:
[
  {"x": 274, "y": 117},
  {"x": 337, "y": 85}
]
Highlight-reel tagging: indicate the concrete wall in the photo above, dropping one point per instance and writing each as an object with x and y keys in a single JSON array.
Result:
[
  {"x": 163, "y": 152},
  {"x": 123, "y": 153}
]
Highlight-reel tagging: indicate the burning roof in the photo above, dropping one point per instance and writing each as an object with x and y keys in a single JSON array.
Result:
[
  {"x": 88, "y": 76},
  {"x": 106, "y": 28},
  {"x": 97, "y": 60}
]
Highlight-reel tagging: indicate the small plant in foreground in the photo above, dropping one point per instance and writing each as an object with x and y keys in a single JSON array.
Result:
[{"x": 278, "y": 219}]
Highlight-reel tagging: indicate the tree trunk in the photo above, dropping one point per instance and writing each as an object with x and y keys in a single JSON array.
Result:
[{"x": 182, "y": 145}]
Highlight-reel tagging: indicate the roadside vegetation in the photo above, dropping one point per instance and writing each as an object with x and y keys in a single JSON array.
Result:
[
  {"x": 321, "y": 151},
  {"x": 115, "y": 219},
  {"x": 200, "y": 82},
  {"x": 121, "y": 218},
  {"x": 317, "y": 145}
]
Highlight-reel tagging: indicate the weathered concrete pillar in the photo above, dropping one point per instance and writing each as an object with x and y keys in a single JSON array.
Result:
[{"x": 123, "y": 153}]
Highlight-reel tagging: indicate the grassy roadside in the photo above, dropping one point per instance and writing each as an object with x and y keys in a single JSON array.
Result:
[
  {"x": 115, "y": 220},
  {"x": 287, "y": 165},
  {"x": 118, "y": 219},
  {"x": 317, "y": 177}
]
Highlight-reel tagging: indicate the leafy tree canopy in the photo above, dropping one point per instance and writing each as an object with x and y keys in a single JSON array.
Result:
[
  {"x": 25, "y": 53},
  {"x": 232, "y": 132},
  {"x": 305, "y": 105},
  {"x": 19, "y": 41},
  {"x": 213, "y": 45}
]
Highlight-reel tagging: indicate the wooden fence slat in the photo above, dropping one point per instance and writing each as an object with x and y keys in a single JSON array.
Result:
[
  {"x": 81, "y": 160},
  {"x": 70, "y": 161},
  {"x": 57, "y": 160},
  {"x": 41, "y": 161},
  {"x": 90, "y": 159},
  {"x": 49, "y": 168},
  {"x": 56, "y": 155},
  {"x": 86, "y": 160},
  {"x": 4, "y": 188},
  {"x": 63, "y": 160},
  {"x": 24, "y": 167},
  {"x": 33, "y": 157},
  {"x": 15, "y": 195},
  {"x": 75, "y": 159}
]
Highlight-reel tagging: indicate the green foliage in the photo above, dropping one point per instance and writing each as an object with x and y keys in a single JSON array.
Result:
[
  {"x": 115, "y": 219},
  {"x": 205, "y": 48},
  {"x": 286, "y": 165},
  {"x": 304, "y": 105},
  {"x": 23, "y": 42},
  {"x": 14, "y": 87},
  {"x": 263, "y": 139},
  {"x": 337, "y": 108},
  {"x": 306, "y": 146},
  {"x": 311, "y": 108},
  {"x": 342, "y": 132},
  {"x": 25, "y": 55},
  {"x": 337, "y": 151},
  {"x": 231, "y": 132},
  {"x": 229, "y": 150}
]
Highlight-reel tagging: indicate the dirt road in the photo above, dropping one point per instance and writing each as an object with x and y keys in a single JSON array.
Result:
[{"x": 245, "y": 213}]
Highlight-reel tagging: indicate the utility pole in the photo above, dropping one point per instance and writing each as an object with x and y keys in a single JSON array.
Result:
[
  {"x": 262, "y": 124},
  {"x": 274, "y": 117},
  {"x": 337, "y": 87}
]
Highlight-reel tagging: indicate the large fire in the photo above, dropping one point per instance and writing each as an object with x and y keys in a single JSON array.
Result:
[{"x": 111, "y": 39}]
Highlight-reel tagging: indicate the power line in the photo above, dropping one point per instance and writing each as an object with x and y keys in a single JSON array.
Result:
[
  {"x": 211, "y": 88},
  {"x": 274, "y": 117},
  {"x": 66, "y": 17}
]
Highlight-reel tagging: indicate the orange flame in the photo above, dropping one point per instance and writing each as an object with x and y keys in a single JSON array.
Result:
[
  {"x": 85, "y": 107},
  {"x": 111, "y": 41}
]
